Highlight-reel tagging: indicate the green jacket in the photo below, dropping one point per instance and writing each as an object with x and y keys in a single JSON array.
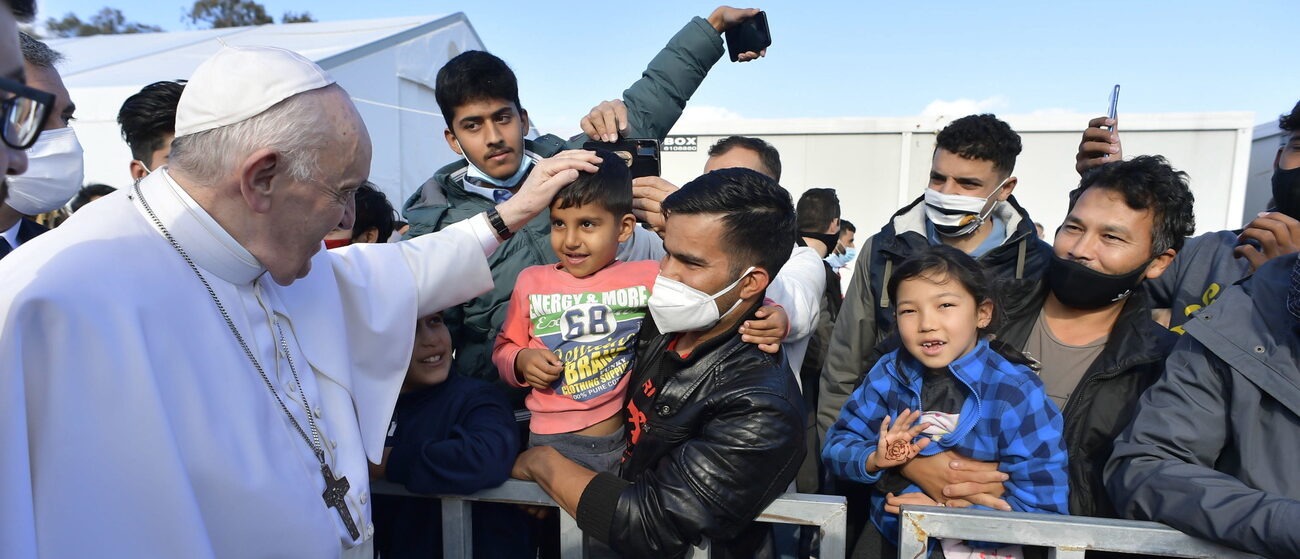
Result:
[{"x": 654, "y": 104}]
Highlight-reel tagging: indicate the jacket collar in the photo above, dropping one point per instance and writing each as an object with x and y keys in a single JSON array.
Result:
[
  {"x": 1250, "y": 329},
  {"x": 448, "y": 183},
  {"x": 911, "y": 219}
]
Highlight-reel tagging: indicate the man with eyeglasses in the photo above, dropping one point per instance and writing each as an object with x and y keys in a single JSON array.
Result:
[
  {"x": 55, "y": 167},
  {"x": 22, "y": 115}
]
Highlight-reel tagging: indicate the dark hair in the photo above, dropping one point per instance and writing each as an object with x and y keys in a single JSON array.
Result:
[
  {"x": 942, "y": 261},
  {"x": 610, "y": 187},
  {"x": 1290, "y": 122},
  {"x": 817, "y": 209},
  {"x": 1148, "y": 182},
  {"x": 23, "y": 10},
  {"x": 847, "y": 225},
  {"x": 36, "y": 53},
  {"x": 766, "y": 153},
  {"x": 149, "y": 115},
  {"x": 373, "y": 212},
  {"x": 981, "y": 137},
  {"x": 756, "y": 213},
  {"x": 471, "y": 76},
  {"x": 88, "y": 192}
]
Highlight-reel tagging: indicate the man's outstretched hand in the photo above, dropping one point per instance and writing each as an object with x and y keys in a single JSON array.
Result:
[
  {"x": 1099, "y": 145},
  {"x": 726, "y": 17},
  {"x": 606, "y": 122}
]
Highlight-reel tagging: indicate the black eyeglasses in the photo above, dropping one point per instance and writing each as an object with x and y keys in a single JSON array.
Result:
[{"x": 25, "y": 110}]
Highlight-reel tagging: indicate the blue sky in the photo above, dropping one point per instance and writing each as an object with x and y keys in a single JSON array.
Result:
[{"x": 867, "y": 58}]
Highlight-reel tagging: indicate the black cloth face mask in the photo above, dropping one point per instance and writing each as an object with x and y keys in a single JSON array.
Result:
[
  {"x": 828, "y": 239},
  {"x": 1081, "y": 287},
  {"x": 1286, "y": 191}
]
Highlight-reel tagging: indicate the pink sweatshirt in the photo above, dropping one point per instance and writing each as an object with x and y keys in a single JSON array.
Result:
[{"x": 591, "y": 323}]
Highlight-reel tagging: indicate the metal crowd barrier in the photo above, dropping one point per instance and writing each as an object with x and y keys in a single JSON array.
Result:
[
  {"x": 824, "y": 511},
  {"x": 1067, "y": 537}
]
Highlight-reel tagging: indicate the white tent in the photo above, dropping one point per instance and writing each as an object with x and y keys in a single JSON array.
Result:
[{"x": 387, "y": 65}]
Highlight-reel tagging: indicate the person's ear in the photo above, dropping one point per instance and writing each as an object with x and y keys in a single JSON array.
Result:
[
  {"x": 1159, "y": 264},
  {"x": 523, "y": 122},
  {"x": 370, "y": 235},
  {"x": 834, "y": 229},
  {"x": 138, "y": 171},
  {"x": 1007, "y": 187},
  {"x": 984, "y": 313},
  {"x": 1277, "y": 159},
  {"x": 257, "y": 179},
  {"x": 452, "y": 142},
  {"x": 755, "y": 282},
  {"x": 625, "y": 227}
]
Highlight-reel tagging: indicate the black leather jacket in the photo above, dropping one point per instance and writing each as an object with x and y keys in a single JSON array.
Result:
[{"x": 718, "y": 441}]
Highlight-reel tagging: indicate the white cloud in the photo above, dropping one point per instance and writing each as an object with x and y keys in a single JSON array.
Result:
[{"x": 940, "y": 108}]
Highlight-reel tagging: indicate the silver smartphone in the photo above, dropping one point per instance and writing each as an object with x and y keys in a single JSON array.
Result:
[{"x": 1114, "y": 102}]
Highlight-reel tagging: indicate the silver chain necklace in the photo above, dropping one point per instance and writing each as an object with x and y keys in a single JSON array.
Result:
[{"x": 335, "y": 488}]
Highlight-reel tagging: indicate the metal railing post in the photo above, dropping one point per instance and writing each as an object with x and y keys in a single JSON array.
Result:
[
  {"x": 457, "y": 528},
  {"x": 573, "y": 544},
  {"x": 1068, "y": 536}
]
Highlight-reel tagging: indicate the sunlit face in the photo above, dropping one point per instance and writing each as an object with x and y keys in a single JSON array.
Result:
[
  {"x": 585, "y": 238},
  {"x": 744, "y": 158},
  {"x": 304, "y": 212},
  {"x": 1103, "y": 233},
  {"x": 48, "y": 79},
  {"x": 953, "y": 174},
  {"x": 431, "y": 358},
  {"x": 490, "y": 133},
  {"x": 938, "y": 319},
  {"x": 846, "y": 238},
  {"x": 696, "y": 255}
]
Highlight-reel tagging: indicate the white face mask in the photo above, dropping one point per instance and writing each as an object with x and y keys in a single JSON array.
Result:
[
  {"x": 954, "y": 215},
  {"x": 55, "y": 169},
  {"x": 479, "y": 176},
  {"x": 677, "y": 307}
]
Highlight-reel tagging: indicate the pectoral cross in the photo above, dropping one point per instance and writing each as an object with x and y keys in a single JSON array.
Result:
[{"x": 335, "y": 490}]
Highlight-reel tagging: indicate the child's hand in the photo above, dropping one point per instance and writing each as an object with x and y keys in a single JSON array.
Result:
[
  {"x": 538, "y": 367},
  {"x": 892, "y": 501},
  {"x": 770, "y": 327},
  {"x": 896, "y": 446}
]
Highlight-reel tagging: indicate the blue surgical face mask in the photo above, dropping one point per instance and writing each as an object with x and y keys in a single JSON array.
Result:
[
  {"x": 479, "y": 176},
  {"x": 838, "y": 261}
]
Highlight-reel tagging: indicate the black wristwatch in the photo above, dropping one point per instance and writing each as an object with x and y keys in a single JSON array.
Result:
[{"x": 499, "y": 224}]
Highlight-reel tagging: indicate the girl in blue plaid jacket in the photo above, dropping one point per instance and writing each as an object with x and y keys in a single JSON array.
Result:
[{"x": 967, "y": 397}]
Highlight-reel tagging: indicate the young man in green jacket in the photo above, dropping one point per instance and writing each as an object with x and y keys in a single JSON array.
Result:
[{"x": 486, "y": 123}]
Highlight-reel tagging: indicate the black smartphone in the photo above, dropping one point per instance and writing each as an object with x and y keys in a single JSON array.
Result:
[
  {"x": 751, "y": 35},
  {"x": 641, "y": 154}
]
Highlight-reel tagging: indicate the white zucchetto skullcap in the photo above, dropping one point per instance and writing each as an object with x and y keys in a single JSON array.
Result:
[{"x": 239, "y": 83}]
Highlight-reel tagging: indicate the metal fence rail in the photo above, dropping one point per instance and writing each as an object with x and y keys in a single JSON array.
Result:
[
  {"x": 1067, "y": 536},
  {"x": 825, "y": 511}
]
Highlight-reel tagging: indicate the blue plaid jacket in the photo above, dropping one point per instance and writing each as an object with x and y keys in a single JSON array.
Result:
[{"x": 1006, "y": 418}]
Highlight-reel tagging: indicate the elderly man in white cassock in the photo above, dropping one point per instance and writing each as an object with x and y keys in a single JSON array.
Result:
[{"x": 184, "y": 372}]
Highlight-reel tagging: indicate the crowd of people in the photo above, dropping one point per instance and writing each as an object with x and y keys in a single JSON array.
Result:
[{"x": 218, "y": 360}]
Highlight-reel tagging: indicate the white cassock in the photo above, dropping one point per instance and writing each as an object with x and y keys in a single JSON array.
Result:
[{"x": 133, "y": 425}]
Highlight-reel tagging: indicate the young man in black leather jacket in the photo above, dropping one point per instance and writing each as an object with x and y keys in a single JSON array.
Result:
[{"x": 715, "y": 426}]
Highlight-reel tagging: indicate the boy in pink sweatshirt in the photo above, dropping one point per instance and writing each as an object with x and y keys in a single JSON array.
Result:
[{"x": 571, "y": 328}]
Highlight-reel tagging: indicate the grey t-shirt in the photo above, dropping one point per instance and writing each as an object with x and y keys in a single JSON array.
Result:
[{"x": 1063, "y": 364}]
